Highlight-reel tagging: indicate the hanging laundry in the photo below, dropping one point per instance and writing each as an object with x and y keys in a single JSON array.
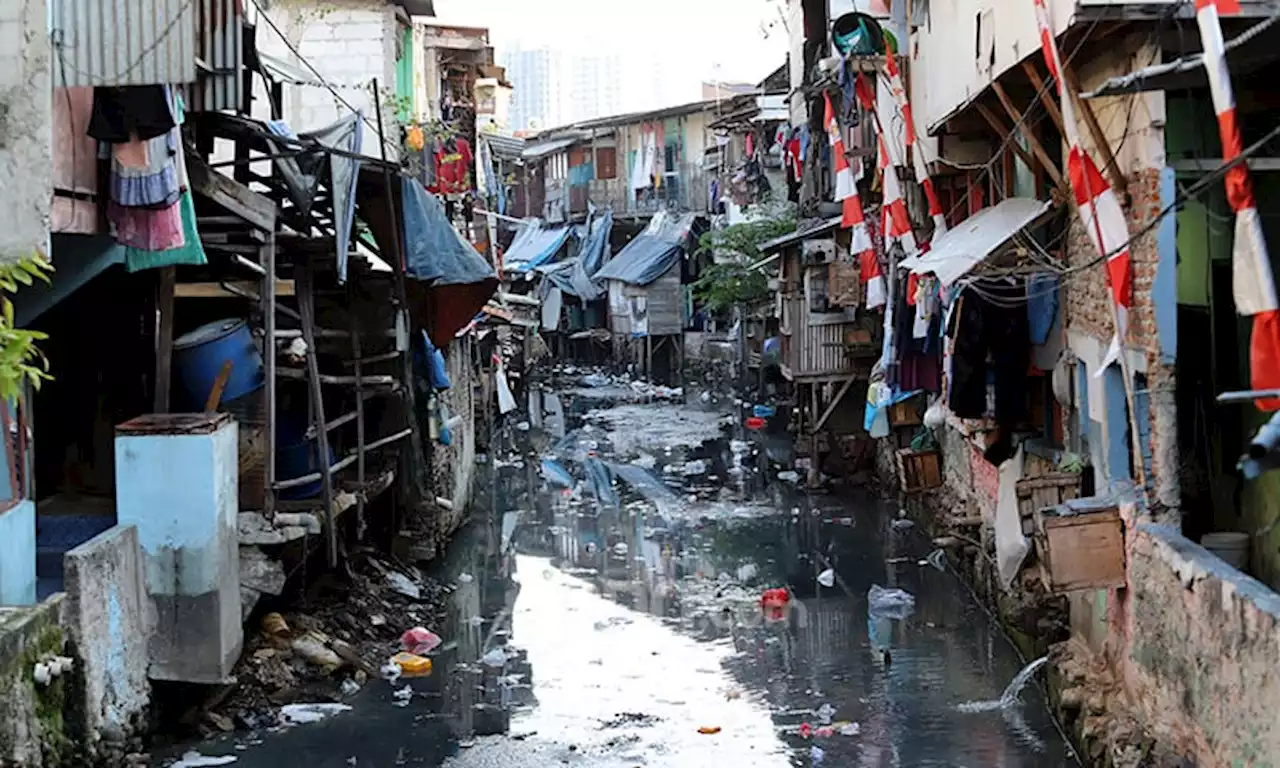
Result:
[
  {"x": 453, "y": 167},
  {"x": 120, "y": 114},
  {"x": 144, "y": 174},
  {"x": 1042, "y": 306},
  {"x": 189, "y": 250},
  {"x": 147, "y": 229},
  {"x": 991, "y": 344}
]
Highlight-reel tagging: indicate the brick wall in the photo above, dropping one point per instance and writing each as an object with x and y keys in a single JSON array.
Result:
[
  {"x": 26, "y": 161},
  {"x": 350, "y": 42},
  {"x": 1197, "y": 642}
]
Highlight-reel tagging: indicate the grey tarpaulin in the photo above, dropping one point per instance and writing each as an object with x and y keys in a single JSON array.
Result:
[
  {"x": 652, "y": 252},
  {"x": 302, "y": 173}
]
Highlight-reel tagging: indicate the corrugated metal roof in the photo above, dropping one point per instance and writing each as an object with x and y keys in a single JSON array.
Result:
[
  {"x": 124, "y": 42},
  {"x": 535, "y": 151},
  {"x": 955, "y": 252},
  {"x": 504, "y": 146},
  {"x": 220, "y": 47}
]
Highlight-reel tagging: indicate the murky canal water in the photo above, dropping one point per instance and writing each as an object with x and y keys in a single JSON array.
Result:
[{"x": 635, "y": 595}]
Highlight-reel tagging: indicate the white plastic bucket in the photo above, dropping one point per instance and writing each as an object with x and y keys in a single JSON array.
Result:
[{"x": 1233, "y": 548}]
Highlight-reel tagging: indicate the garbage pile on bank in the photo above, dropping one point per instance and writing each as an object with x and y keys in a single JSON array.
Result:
[{"x": 330, "y": 650}]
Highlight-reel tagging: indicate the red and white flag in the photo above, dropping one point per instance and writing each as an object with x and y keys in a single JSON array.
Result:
[
  {"x": 846, "y": 183},
  {"x": 1099, "y": 207},
  {"x": 913, "y": 148},
  {"x": 1252, "y": 283},
  {"x": 897, "y": 223}
]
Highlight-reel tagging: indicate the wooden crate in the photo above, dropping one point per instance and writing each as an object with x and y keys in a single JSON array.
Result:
[
  {"x": 919, "y": 470},
  {"x": 1081, "y": 546},
  {"x": 1037, "y": 493},
  {"x": 905, "y": 413}
]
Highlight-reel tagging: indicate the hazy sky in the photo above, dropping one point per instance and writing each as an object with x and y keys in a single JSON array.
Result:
[{"x": 698, "y": 39}]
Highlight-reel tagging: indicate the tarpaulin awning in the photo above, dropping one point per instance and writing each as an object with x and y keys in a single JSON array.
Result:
[
  {"x": 958, "y": 250},
  {"x": 1252, "y": 49},
  {"x": 460, "y": 280},
  {"x": 535, "y": 244},
  {"x": 652, "y": 252}
]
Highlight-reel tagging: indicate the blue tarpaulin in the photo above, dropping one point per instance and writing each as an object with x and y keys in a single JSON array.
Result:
[
  {"x": 535, "y": 244},
  {"x": 460, "y": 280},
  {"x": 595, "y": 249},
  {"x": 654, "y": 251}
]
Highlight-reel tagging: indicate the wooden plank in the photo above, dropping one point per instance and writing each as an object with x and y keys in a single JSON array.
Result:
[
  {"x": 164, "y": 340},
  {"x": 259, "y": 210},
  {"x": 306, "y": 305},
  {"x": 211, "y": 290},
  {"x": 834, "y": 402},
  {"x": 1118, "y": 182},
  {"x": 1083, "y": 551},
  {"x": 999, "y": 127},
  {"x": 1050, "y": 105},
  {"x": 1036, "y": 147}
]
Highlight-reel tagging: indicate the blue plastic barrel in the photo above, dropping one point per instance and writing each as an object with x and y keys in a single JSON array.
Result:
[
  {"x": 198, "y": 357},
  {"x": 297, "y": 456}
]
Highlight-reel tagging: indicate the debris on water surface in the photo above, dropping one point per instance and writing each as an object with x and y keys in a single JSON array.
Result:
[
  {"x": 848, "y": 729},
  {"x": 350, "y": 687},
  {"x": 496, "y": 657},
  {"x": 902, "y": 524},
  {"x": 826, "y": 712},
  {"x": 827, "y": 578},
  {"x": 194, "y": 759},
  {"x": 305, "y": 714},
  {"x": 709, "y": 730},
  {"x": 403, "y": 695},
  {"x": 419, "y": 641},
  {"x": 816, "y": 754},
  {"x": 411, "y": 665},
  {"x": 890, "y": 603}
]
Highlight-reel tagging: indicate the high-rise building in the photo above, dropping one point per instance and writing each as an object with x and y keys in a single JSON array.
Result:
[
  {"x": 537, "y": 76},
  {"x": 595, "y": 87}
]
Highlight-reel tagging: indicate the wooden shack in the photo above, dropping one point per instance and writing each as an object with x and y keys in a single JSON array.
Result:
[
  {"x": 646, "y": 296},
  {"x": 828, "y": 341}
]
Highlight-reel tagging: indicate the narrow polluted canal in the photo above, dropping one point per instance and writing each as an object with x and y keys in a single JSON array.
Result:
[{"x": 607, "y": 611}]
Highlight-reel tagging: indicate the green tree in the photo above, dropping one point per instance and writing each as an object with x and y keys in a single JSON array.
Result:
[
  {"x": 21, "y": 361},
  {"x": 731, "y": 280}
]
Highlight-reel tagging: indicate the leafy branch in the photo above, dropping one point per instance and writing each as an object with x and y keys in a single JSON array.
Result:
[
  {"x": 737, "y": 247},
  {"x": 21, "y": 361}
]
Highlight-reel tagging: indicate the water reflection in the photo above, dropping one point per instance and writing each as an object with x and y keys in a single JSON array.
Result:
[{"x": 658, "y": 553}]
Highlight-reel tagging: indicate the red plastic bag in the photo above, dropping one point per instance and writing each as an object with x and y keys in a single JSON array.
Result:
[{"x": 420, "y": 641}]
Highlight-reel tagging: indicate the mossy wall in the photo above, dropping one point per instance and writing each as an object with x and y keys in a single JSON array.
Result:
[{"x": 34, "y": 731}]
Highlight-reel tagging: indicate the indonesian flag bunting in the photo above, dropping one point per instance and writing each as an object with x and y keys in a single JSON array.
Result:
[
  {"x": 894, "y": 207},
  {"x": 1252, "y": 283},
  {"x": 873, "y": 278},
  {"x": 851, "y": 206},
  {"x": 916, "y": 152},
  {"x": 1095, "y": 199},
  {"x": 846, "y": 182}
]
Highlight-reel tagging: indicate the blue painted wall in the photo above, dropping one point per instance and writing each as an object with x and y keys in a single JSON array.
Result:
[
  {"x": 180, "y": 492},
  {"x": 18, "y": 554}
]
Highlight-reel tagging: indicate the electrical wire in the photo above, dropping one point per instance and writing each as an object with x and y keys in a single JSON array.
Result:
[{"x": 262, "y": 12}]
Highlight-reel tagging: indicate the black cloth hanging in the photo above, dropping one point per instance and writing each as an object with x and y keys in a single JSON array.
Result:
[
  {"x": 120, "y": 113},
  {"x": 991, "y": 342}
]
